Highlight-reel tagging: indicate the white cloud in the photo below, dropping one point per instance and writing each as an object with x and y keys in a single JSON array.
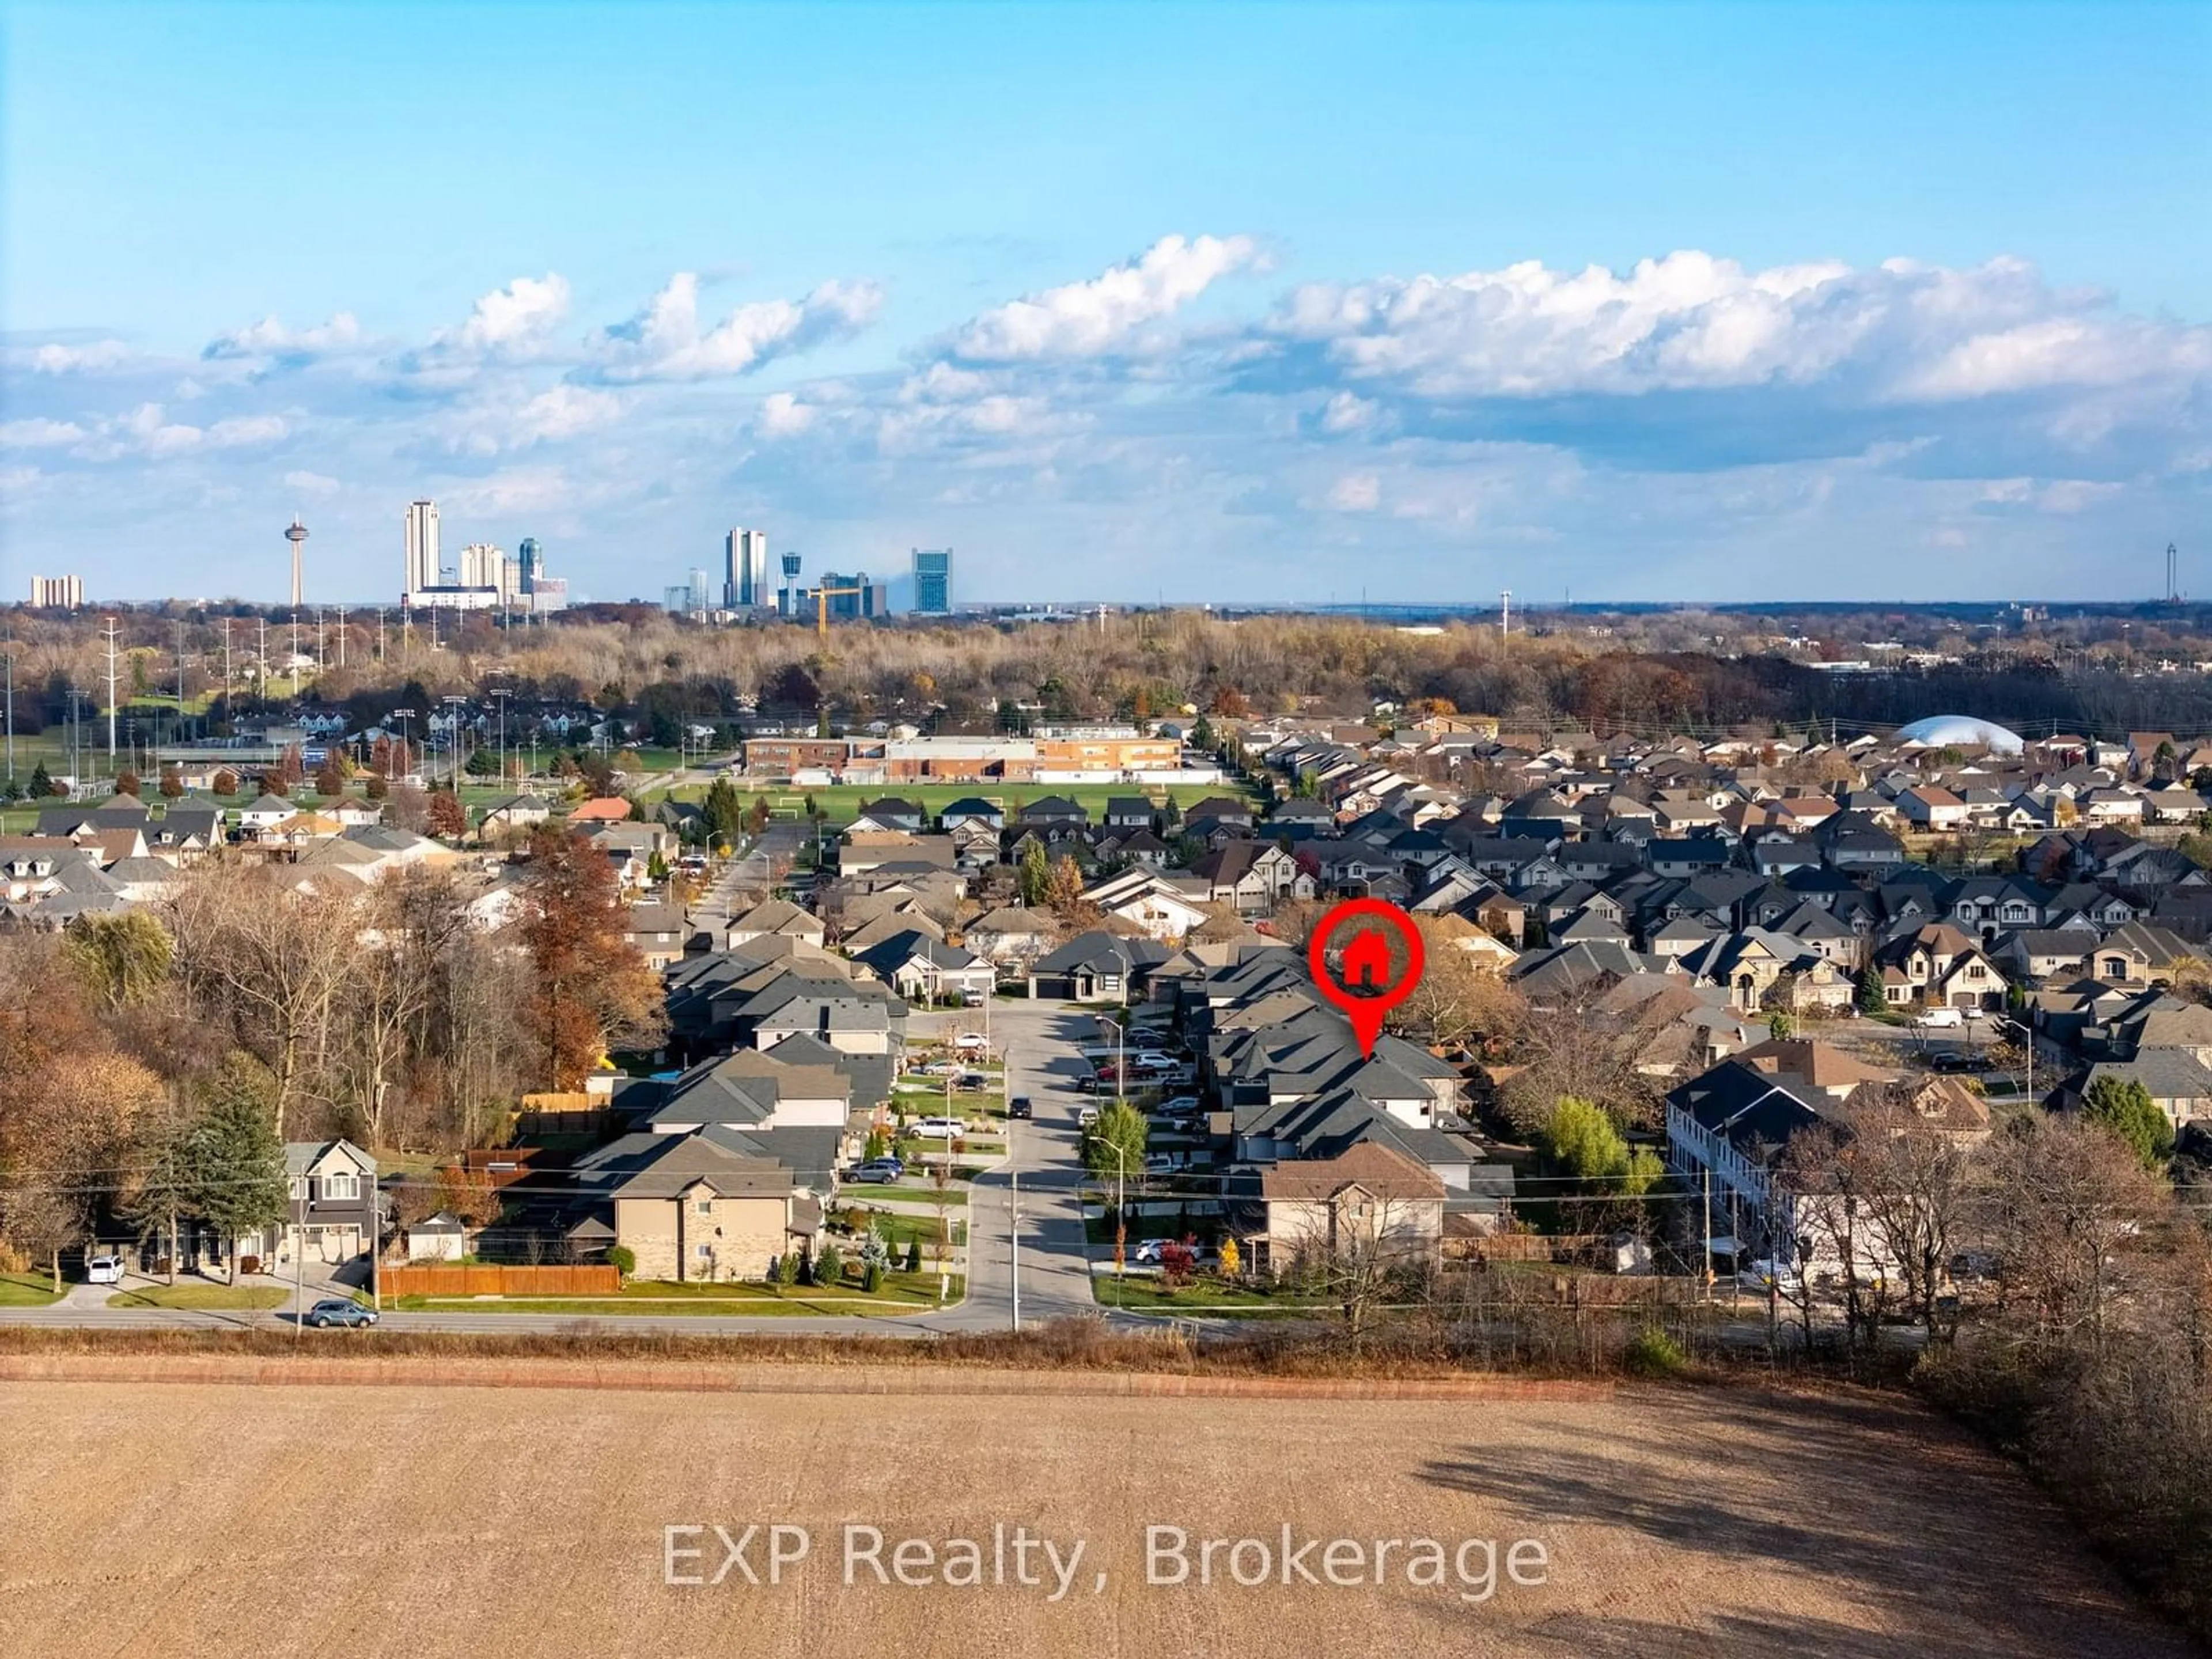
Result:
[
  {"x": 563, "y": 411},
  {"x": 1356, "y": 492},
  {"x": 2060, "y": 495},
  {"x": 146, "y": 431},
  {"x": 1345, "y": 412},
  {"x": 270, "y": 338},
  {"x": 664, "y": 342},
  {"x": 519, "y": 489},
  {"x": 1898, "y": 332},
  {"x": 311, "y": 483},
  {"x": 94, "y": 358},
  {"x": 514, "y": 317},
  {"x": 1109, "y": 312},
  {"x": 39, "y": 433},
  {"x": 782, "y": 415}
]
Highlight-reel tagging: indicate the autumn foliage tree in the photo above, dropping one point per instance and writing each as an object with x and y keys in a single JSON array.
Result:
[
  {"x": 590, "y": 991},
  {"x": 447, "y": 816}
]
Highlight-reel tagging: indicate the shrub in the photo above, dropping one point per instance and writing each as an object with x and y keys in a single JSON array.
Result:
[
  {"x": 1652, "y": 1353},
  {"x": 1176, "y": 1263},
  {"x": 787, "y": 1269},
  {"x": 622, "y": 1259},
  {"x": 913, "y": 1255},
  {"x": 872, "y": 1281},
  {"x": 829, "y": 1267}
]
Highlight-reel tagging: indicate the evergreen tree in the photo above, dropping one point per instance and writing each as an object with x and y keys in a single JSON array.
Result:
[
  {"x": 234, "y": 1161},
  {"x": 724, "y": 812},
  {"x": 1870, "y": 998},
  {"x": 2124, "y": 1106},
  {"x": 1035, "y": 875}
]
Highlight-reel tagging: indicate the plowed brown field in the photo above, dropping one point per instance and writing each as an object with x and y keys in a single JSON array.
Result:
[{"x": 218, "y": 1518}]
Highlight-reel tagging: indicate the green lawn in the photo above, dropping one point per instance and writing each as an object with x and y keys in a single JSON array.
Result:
[
  {"x": 861, "y": 1193},
  {"x": 26, "y": 1290},
  {"x": 201, "y": 1295},
  {"x": 903, "y": 1293},
  {"x": 900, "y": 1228}
]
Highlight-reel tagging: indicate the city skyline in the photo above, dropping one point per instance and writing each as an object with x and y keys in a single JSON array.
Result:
[{"x": 1528, "y": 332}]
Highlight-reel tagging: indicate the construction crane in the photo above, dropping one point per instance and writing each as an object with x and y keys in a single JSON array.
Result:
[{"x": 822, "y": 598}]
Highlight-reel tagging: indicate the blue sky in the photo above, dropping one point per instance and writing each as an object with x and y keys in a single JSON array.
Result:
[{"x": 1647, "y": 301}]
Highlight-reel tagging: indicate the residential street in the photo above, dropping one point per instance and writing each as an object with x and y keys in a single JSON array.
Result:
[{"x": 1039, "y": 1042}]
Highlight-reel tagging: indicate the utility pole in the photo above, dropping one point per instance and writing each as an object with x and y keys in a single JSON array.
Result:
[
  {"x": 379, "y": 633},
  {"x": 500, "y": 695},
  {"x": 261, "y": 662},
  {"x": 12, "y": 716},
  {"x": 1707, "y": 1183},
  {"x": 320, "y": 664},
  {"x": 1504, "y": 612},
  {"x": 108, "y": 628},
  {"x": 228, "y": 682},
  {"x": 1013, "y": 1240},
  {"x": 342, "y": 634}
]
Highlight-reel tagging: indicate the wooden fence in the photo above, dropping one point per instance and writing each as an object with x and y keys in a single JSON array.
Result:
[{"x": 449, "y": 1279}]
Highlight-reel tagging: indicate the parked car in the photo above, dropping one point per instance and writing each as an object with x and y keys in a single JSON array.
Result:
[
  {"x": 1955, "y": 1061},
  {"x": 339, "y": 1311},
  {"x": 1087, "y": 1085},
  {"x": 1087, "y": 1118},
  {"x": 104, "y": 1270},
  {"x": 1019, "y": 1106},
  {"x": 1179, "y": 1105},
  {"x": 971, "y": 1040},
  {"x": 1767, "y": 1275},
  {"x": 878, "y": 1172},
  {"x": 1934, "y": 1019},
  {"x": 944, "y": 1069},
  {"x": 969, "y": 1082},
  {"x": 938, "y": 1129}
]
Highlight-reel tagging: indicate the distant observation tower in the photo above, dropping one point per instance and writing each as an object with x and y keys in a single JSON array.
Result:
[{"x": 297, "y": 535}]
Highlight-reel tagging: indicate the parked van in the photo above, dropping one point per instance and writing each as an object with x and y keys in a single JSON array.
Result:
[
  {"x": 938, "y": 1129},
  {"x": 104, "y": 1270},
  {"x": 1939, "y": 1018}
]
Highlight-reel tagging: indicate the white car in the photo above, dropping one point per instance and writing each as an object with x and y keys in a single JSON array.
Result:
[
  {"x": 104, "y": 1270},
  {"x": 938, "y": 1129},
  {"x": 971, "y": 1041}
]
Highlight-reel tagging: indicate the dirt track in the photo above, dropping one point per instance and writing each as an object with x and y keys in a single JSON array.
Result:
[{"x": 219, "y": 1518}]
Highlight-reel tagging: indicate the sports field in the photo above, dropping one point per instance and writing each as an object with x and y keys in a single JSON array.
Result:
[{"x": 424, "y": 1518}]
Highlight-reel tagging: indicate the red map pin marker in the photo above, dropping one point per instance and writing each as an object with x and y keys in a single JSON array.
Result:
[{"x": 1365, "y": 990}]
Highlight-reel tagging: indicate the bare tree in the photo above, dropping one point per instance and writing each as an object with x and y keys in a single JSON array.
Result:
[{"x": 269, "y": 963}]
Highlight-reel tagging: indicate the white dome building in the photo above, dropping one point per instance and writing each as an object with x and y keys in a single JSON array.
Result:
[{"x": 1961, "y": 732}]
